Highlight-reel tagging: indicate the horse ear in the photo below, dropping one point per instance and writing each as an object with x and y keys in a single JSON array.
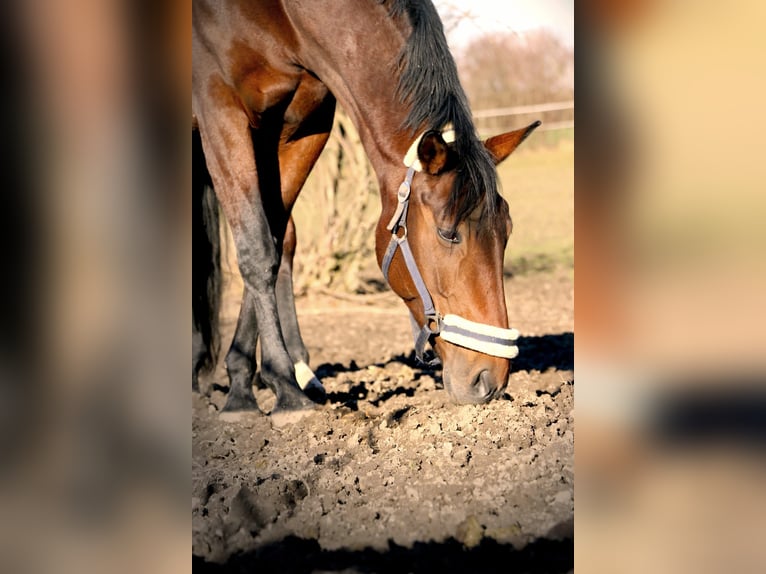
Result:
[
  {"x": 502, "y": 145},
  {"x": 433, "y": 153}
]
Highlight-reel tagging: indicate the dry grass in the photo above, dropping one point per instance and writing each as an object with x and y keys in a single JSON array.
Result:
[
  {"x": 336, "y": 215},
  {"x": 539, "y": 186}
]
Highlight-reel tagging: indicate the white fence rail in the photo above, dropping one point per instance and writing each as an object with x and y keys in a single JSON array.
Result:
[{"x": 531, "y": 109}]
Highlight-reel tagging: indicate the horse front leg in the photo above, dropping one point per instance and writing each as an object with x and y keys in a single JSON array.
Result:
[
  {"x": 296, "y": 160},
  {"x": 240, "y": 359},
  {"x": 289, "y": 320},
  {"x": 241, "y": 362},
  {"x": 286, "y": 299},
  {"x": 312, "y": 112},
  {"x": 231, "y": 162}
]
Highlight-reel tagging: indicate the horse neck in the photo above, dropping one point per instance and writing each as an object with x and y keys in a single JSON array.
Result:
[{"x": 364, "y": 84}]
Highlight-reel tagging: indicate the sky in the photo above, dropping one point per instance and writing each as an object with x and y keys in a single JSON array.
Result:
[{"x": 512, "y": 16}]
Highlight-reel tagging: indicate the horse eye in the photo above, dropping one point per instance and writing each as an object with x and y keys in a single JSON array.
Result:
[{"x": 448, "y": 235}]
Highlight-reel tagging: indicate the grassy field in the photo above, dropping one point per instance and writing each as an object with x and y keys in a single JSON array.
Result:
[{"x": 539, "y": 186}]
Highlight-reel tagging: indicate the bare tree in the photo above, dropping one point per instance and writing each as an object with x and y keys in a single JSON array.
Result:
[
  {"x": 452, "y": 14},
  {"x": 510, "y": 69}
]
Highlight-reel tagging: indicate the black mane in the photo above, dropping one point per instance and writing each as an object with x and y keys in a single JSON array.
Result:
[{"x": 429, "y": 85}]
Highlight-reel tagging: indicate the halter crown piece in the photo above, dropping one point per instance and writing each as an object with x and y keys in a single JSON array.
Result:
[{"x": 454, "y": 329}]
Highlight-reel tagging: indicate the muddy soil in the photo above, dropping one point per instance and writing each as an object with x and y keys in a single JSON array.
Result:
[{"x": 390, "y": 475}]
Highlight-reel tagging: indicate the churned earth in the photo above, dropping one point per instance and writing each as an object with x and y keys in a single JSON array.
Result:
[{"x": 389, "y": 475}]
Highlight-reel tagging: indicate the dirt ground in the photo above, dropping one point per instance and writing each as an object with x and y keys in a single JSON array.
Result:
[{"x": 389, "y": 475}]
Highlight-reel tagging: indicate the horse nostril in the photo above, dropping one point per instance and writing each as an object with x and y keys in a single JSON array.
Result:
[{"x": 484, "y": 385}]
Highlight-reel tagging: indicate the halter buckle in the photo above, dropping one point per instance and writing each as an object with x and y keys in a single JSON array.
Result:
[
  {"x": 404, "y": 191},
  {"x": 433, "y": 319},
  {"x": 403, "y": 197}
]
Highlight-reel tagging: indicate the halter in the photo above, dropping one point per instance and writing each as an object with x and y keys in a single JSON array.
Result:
[{"x": 454, "y": 329}]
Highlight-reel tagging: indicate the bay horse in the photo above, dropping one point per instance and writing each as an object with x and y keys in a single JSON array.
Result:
[{"x": 266, "y": 77}]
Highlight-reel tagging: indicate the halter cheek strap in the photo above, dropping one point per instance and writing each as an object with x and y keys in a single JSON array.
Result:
[
  {"x": 432, "y": 325},
  {"x": 454, "y": 329}
]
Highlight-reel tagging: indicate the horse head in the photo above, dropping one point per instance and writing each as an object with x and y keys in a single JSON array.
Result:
[{"x": 444, "y": 256}]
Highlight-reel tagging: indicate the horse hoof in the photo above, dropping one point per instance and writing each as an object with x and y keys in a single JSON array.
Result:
[
  {"x": 309, "y": 383},
  {"x": 237, "y": 402},
  {"x": 291, "y": 406},
  {"x": 316, "y": 393},
  {"x": 306, "y": 378}
]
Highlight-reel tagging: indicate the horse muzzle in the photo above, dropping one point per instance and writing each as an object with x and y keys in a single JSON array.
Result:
[{"x": 472, "y": 379}]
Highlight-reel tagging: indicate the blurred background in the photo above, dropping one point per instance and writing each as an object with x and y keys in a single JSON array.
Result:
[
  {"x": 668, "y": 220},
  {"x": 671, "y": 409}
]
